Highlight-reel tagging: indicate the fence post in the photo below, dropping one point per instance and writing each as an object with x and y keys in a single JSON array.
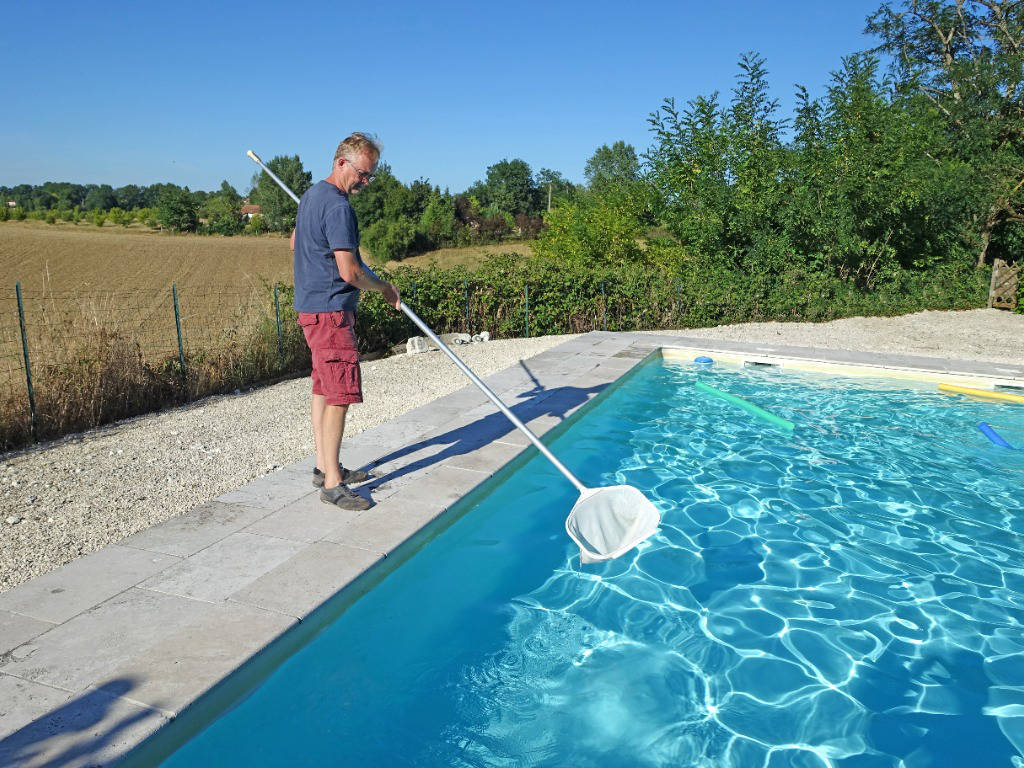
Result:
[
  {"x": 28, "y": 368},
  {"x": 527, "y": 287},
  {"x": 604, "y": 310},
  {"x": 465, "y": 286},
  {"x": 280, "y": 340},
  {"x": 177, "y": 325}
]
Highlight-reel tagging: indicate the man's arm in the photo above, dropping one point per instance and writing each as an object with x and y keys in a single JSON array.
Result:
[{"x": 354, "y": 273}]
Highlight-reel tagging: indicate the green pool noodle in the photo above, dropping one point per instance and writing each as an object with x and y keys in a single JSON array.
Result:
[{"x": 778, "y": 421}]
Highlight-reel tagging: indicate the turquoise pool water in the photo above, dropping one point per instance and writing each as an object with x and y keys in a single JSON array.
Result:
[{"x": 849, "y": 595}]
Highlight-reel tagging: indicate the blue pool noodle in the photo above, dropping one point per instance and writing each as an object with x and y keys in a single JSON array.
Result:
[{"x": 992, "y": 435}]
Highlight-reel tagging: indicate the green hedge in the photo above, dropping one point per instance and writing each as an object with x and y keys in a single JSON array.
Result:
[{"x": 689, "y": 294}]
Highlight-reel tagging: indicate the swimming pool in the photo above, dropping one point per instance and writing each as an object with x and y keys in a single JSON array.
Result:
[{"x": 850, "y": 594}]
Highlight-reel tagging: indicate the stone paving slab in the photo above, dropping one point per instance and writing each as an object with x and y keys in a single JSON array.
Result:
[
  {"x": 390, "y": 524},
  {"x": 94, "y": 658},
  {"x": 266, "y": 492},
  {"x": 84, "y": 731},
  {"x": 307, "y": 520},
  {"x": 188, "y": 659},
  {"x": 187, "y": 534},
  {"x": 303, "y": 582},
  {"x": 22, "y": 701},
  {"x": 84, "y": 650},
  {"x": 223, "y": 568},
  {"x": 16, "y": 629},
  {"x": 83, "y": 583}
]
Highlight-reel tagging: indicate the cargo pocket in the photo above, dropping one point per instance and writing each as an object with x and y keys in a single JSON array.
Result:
[
  {"x": 308, "y": 322},
  {"x": 341, "y": 378}
]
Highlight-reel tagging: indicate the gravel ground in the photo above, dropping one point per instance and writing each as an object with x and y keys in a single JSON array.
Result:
[
  {"x": 74, "y": 496},
  {"x": 977, "y": 334}
]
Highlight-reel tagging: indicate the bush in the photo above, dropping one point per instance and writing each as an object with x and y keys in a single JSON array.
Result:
[
  {"x": 391, "y": 239},
  {"x": 257, "y": 226},
  {"x": 98, "y": 217},
  {"x": 117, "y": 216},
  {"x": 18, "y": 214}
]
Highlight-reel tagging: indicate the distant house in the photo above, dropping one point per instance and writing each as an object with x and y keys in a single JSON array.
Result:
[
  {"x": 248, "y": 211},
  {"x": 12, "y": 204}
]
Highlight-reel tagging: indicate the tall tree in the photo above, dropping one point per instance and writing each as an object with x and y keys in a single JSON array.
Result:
[
  {"x": 276, "y": 208},
  {"x": 508, "y": 189},
  {"x": 177, "y": 209},
  {"x": 614, "y": 165},
  {"x": 99, "y": 198},
  {"x": 552, "y": 183},
  {"x": 130, "y": 197},
  {"x": 966, "y": 57}
]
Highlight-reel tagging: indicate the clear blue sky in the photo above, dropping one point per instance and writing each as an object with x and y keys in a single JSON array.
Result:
[{"x": 138, "y": 93}]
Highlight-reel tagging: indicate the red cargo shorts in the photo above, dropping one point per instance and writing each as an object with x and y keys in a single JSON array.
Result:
[{"x": 331, "y": 337}]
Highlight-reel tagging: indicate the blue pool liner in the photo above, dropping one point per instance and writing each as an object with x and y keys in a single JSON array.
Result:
[{"x": 992, "y": 435}]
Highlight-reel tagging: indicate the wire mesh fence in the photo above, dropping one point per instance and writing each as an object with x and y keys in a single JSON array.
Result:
[
  {"x": 69, "y": 361},
  {"x": 88, "y": 358}
]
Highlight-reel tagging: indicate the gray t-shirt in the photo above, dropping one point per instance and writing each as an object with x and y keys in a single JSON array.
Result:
[{"x": 325, "y": 223}]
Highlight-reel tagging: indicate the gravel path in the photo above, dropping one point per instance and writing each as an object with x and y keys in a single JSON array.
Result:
[{"x": 77, "y": 495}]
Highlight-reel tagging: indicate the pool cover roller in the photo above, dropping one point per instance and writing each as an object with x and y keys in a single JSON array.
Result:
[
  {"x": 783, "y": 424},
  {"x": 604, "y": 522}
]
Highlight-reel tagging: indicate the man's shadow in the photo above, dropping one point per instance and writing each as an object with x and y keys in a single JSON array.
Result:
[
  {"x": 537, "y": 402},
  {"x": 78, "y": 732}
]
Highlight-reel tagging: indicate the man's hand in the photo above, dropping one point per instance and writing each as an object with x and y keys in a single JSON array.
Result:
[
  {"x": 391, "y": 295},
  {"x": 354, "y": 273}
]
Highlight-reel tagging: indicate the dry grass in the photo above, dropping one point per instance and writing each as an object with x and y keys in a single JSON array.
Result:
[
  {"x": 101, "y": 326},
  {"x": 469, "y": 257},
  {"x": 100, "y": 319},
  {"x": 67, "y": 257}
]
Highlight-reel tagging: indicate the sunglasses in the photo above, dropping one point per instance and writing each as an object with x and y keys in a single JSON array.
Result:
[{"x": 365, "y": 177}]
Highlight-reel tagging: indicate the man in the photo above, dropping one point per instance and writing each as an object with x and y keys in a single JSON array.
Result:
[{"x": 329, "y": 273}]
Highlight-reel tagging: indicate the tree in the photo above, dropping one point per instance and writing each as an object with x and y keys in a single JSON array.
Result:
[
  {"x": 553, "y": 183},
  {"x": 508, "y": 189},
  {"x": 438, "y": 224},
  {"x": 612, "y": 165},
  {"x": 717, "y": 170},
  {"x": 99, "y": 198},
  {"x": 229, "y": 193},
  {"x": 276, "y": 207},
  {"x": 223, "y": 214},
  {"x": 130, "y": 197},
  {"x": 966, "y": 58},
  {"x": 177, "y": 210}
]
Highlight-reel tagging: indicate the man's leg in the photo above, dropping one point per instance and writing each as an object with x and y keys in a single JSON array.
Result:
[{"x": 328, "y": 453}]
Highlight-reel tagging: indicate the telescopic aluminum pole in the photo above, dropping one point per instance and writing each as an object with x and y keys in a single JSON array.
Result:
[{"x": 455, "y": 359}]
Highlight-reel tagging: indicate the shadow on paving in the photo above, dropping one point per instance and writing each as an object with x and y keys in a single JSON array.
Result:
[
  {"x": 78, "y": 733},
  {"x": 538, "y": 402}
]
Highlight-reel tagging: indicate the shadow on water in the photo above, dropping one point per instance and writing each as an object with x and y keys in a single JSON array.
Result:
[
  {"x": 80, "y": 732},
  {"x": 536, "y": 403}
]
